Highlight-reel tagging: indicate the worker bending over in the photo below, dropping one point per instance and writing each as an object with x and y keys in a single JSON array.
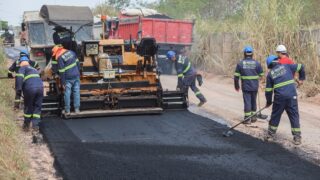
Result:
[
  {"x": 280, "y": 80},
  {"x": 30, "y": 85},
  {"x": 14, "y": 68},
  {"x": 69, "y": 73},
  {"x": 187, "y": 75},
  {"x": 249, "y": 71}
]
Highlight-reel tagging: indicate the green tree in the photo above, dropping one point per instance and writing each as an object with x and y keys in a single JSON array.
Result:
[{"x": 110, "y": 7}]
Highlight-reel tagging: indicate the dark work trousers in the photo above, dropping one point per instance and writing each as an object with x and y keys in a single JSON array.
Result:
[
  {"x": 32, "y": 105},
  {"x": 250, "y": 102},
  {"x": 190, "y": 81},
  {"x": 17, "y": 98},
  {"x": 291, "y": 107}
]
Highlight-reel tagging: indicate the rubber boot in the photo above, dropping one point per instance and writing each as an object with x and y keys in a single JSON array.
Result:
[
  {"x": 254, "y": 119},
  {"x": 36, "y": 136},
  {"x": 26, "y": 126},
  {"x": 262, "y": 116},
  {"x": 297, "y": 140},
  {"x": 269, "y": 137},
  {"x": 247, "y": 121},
  {"x": 201, "y": 103}
]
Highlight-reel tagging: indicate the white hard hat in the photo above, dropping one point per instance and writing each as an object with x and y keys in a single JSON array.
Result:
[{"x": 281, "y": 48}]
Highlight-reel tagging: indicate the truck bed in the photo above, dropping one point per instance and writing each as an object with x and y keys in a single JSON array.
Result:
[{"x": 165, "y": 31}]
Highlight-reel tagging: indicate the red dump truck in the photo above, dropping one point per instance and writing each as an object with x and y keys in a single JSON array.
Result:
[{"x": 170, "y": 34}]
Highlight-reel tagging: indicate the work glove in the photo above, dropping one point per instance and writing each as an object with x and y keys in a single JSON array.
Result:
[
  {"x": 199, "y": 79},
  {"x": 10, "y": 75}
]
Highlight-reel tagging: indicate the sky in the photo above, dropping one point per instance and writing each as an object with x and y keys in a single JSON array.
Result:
[{"x": 12, "y": 10}]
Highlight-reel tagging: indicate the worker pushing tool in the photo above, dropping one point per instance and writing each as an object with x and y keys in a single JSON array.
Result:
[
  {"x": 187, "y": 74},
  {"x": 69, "y": 73},
  {"x": 249, "y": 71},
  {"x": 280, "y": 80},
  {"x": 14, "y": 68},
  {"x": 29, "y": 84}
]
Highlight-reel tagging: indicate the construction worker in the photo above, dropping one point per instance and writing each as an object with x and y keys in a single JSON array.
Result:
[
  {"x": 283, "y": 55},
  {"x": 69, "y": 73},
  {"x": 30, "y": 85},
  {"x": 280, "y": 80},
  {"x": 14, "y": 68},
  {"x": 186, "y": 74},
  {"x": 249, "y": 71}
]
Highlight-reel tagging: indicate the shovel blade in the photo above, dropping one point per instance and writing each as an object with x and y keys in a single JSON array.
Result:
[{"x": 227, "y": 133}]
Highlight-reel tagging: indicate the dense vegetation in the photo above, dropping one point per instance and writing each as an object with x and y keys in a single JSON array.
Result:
[{"x": 261, "y": 23}]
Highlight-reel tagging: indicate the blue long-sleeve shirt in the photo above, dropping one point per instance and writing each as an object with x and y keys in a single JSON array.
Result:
[
  {"x": 27, "y": 78},
  {"x": 184, "y": 68},
  {"x": 69, "y": 66},
  {"x": 280, "y": 80},
  {"x": 249, "y": 71}
]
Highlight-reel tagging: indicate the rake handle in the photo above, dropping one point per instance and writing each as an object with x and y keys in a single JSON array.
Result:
[{"x": 246, "y": 119}]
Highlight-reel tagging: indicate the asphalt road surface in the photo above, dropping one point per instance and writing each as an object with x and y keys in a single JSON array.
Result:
[{"x": 174, "y": 145}]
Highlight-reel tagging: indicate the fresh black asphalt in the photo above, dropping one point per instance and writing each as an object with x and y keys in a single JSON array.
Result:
[{"x": 174, "y": 145}]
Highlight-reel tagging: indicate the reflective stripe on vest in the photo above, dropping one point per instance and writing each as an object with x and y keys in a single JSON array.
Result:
[
  {"x": 283, "y": 84},
  {"x": 38, "y": 116},
  {"x": 249, "y": 77},
  {"x": 31, "y": 76},
  {"x": 269, "y": 89},
  {"x": 68, "y": 67},
  {"x": 237, "y": 74},
  {"x": 20, "y": 75},
  {"x": 27, "y": 115},
  {"x": 187, "y": 68},
  {"x": 295, "y": 129},
  {"x": 299, "y": 67},
  {"x": 274, "y": 128}
]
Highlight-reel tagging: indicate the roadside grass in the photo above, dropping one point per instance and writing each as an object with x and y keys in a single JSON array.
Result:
[{"x": 13, "y": 159}]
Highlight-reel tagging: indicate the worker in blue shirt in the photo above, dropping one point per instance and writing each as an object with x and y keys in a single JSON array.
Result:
[
  {"x": 281, "y": 83},
  {"x": 14, "y": 68},
  {"x": 250, "y": 72},
  {"x": 187, "y": 74},
  {"x": 69, "y": 73},
  {"x": 30, "y": 85}
]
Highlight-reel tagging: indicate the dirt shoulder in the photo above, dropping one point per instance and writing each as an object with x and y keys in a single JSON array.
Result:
[{"x": 225, "y": 102}]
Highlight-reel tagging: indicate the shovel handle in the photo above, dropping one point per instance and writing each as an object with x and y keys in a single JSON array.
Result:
[{"x": 246, "y": 119}]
